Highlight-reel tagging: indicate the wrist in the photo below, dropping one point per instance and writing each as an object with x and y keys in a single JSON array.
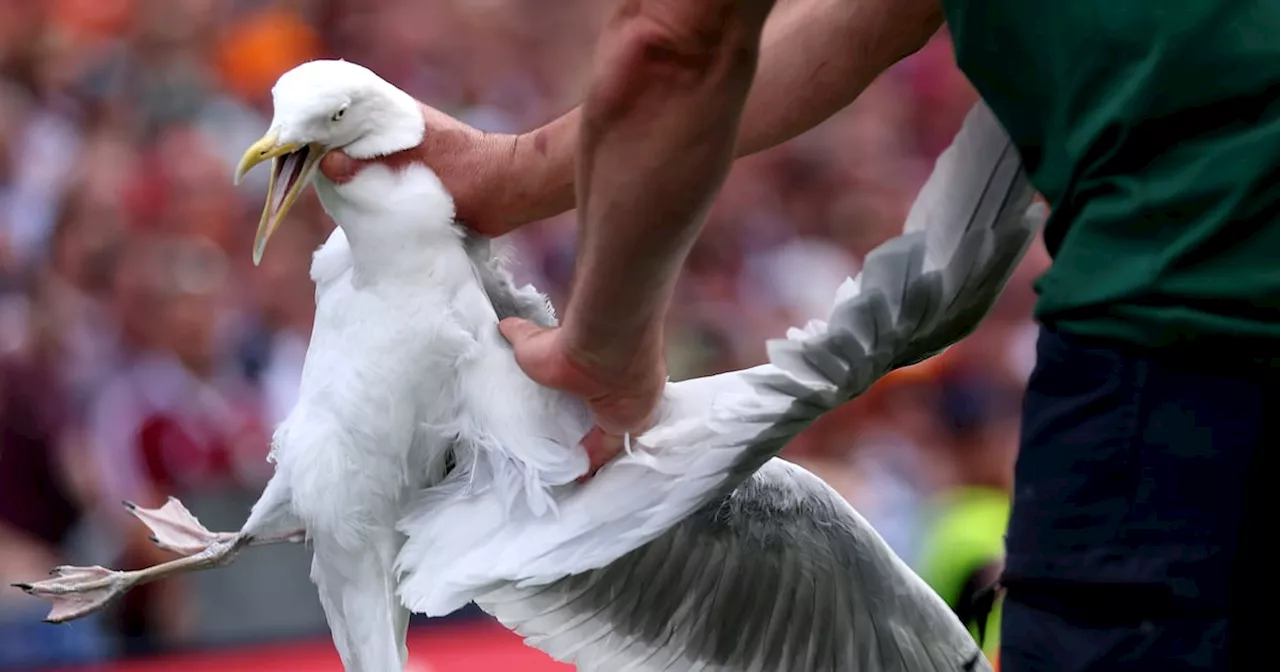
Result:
[
  {"x": 613, "y": 349},
  {"x": 498, "y": 199}
]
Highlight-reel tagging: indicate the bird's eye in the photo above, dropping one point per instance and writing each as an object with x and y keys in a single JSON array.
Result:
[{"x": 337, "y": 116}]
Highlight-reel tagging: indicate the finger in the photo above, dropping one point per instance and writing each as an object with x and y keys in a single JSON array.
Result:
[
  {"x": 338, "y": 167},
  {"x": 601, "y": 448},
  {"x": 530, "y": 349},
  {"x": 626, "y": 409},
  {"x": 518, "y": 331},
  {"x": 435, "y": 118}
]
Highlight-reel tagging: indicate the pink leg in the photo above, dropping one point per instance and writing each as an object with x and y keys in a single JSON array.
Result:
[
  {"x": 175, "y": 529},
  {"x": 76, "y": 592}
]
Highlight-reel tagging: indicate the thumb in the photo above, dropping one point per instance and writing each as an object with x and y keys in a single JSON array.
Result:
[
  {"x": 518, "y": 331},
  {"x": 338, "y": 167},
  {"x": 601, "y": 447},
  {"x": 530, "y": 348}
]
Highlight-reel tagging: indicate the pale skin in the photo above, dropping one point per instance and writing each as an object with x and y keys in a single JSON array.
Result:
[
  {"x": 681, "y": 87},
  {"x": 671, "y": 102}
]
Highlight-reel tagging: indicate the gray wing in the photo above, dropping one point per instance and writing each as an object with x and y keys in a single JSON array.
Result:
[
  {"x": 507, "y": 299},
  {"x": 779, "y": 576}
]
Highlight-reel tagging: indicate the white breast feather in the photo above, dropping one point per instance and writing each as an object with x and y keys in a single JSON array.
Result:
[{"x": 405, "y": 366}]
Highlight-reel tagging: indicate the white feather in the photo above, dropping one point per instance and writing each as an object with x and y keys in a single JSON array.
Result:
[
  {"x": 405, "y": 366},
  {"x": 909, "y": 302},
  {"x": 428, "y": 471},
  {"x": 407, "y": 373},
  {"x": 405, "y": 369}
]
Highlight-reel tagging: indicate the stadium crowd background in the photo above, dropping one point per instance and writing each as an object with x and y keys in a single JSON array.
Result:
[{"x": 142, "y": 355}]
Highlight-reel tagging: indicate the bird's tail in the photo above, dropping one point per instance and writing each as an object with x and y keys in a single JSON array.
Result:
[
  {"x": 916, "y": 295},
  {"x": 358, "y": 593}
]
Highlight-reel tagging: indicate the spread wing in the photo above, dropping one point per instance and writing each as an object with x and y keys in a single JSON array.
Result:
[
  {"x": 780, "y": 576},
  {"x": 636, "y": 524}
]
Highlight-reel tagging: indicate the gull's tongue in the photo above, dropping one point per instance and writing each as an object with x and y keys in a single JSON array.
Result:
[{"x": 288, "y": 171}]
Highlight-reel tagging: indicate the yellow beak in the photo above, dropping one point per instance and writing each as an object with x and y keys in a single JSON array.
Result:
[{"x": 291, "y": 166}]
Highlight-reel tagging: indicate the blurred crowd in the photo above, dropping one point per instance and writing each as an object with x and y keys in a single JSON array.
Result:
[{"x": 142, "y": 355}]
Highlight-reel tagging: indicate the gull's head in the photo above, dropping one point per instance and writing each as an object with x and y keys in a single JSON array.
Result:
[{"x": 321, "y": 106}]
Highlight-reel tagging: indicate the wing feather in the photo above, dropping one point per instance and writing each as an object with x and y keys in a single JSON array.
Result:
[
  {"x": 780, "y": 576},
  {"x": 916, "y": 295},
  {"x": 508, "y": 300}
]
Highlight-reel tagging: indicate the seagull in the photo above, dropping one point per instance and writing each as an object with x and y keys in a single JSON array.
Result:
[{"x": 426, "y": 471}]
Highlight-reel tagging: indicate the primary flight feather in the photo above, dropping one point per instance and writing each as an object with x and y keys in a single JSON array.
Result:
[{"x": 427, "y": 471}]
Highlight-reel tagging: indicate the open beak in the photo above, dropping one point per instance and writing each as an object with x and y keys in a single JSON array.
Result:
[{"x": 291, "y": 166}]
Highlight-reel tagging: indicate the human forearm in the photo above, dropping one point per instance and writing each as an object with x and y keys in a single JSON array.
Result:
[
  {"x": 816, "y": 57},
  {"x": 819, "y": 55},
  {"x": 659, "y": 126}
]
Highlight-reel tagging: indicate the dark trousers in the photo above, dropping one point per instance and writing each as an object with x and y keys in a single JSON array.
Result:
[{"x": 1133, "y": 540}]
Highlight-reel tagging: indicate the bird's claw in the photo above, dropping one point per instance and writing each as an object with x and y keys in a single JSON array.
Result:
[
  {"x": 174, "y": 529},
  {"x": 76, "y": 592}
]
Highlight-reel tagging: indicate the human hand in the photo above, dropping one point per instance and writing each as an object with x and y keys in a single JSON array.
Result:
[
  {"x": 622, "y": 395},
  {"x": 471, "y": 163}
]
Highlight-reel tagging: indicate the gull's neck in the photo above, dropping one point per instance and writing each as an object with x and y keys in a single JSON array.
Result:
[
  {"x": 397, "y": 216},
  {"x": 398, "y": 221},
  {"x": 410, "y": 254}
]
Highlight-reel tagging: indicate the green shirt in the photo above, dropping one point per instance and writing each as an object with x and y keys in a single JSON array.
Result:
[{"x": 1153, "y": 129}]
